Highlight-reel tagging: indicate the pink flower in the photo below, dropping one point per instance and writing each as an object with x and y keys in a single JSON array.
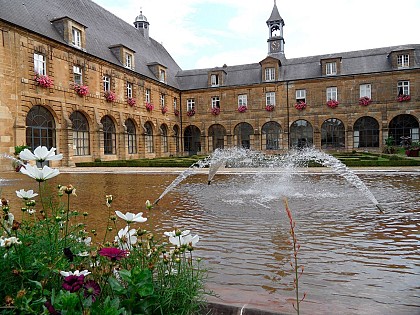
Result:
[
  {"x": 403, "y": 98},
  {"x": 73, "y": 283},
  {"x": 269, "y": 108},
  {"x": 242, "y": 108},
  {"x": 113, "y": 253},
  {"x": 149, "y": 107},
  {"x": 110, "y": 96},
  {"x": 300, "y": 105},
  {"x": 131, "y": 101},
  {"x": 215, "y": 111},
  {"x": 82, "y": 90},
  {"x": 44, "y": 81},
  {"x": 332, "y": 103},
  {"x": 92, "y": 289},
  {"x": 176, "y": 112},
  {"x": 191, "y": 112},
  {"x": 164, "y": 109},
  {"x": 364, "y": 101}
]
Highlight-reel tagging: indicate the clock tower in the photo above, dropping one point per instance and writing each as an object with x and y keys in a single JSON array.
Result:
[{"x": 275, "y": 36}]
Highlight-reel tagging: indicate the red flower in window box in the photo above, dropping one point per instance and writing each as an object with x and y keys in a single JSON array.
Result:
[
  {"x": 301, "y": 105},
  {"x": 149, "y": 107},
  {"x": 81, "y": 90},
  {"x": 269, "y": 108},
  {"x": 191, "y": 112},
  {"x": 403, "y": 98},
  {"x": 44, "y": 81},
  {"x": 110, "y": 96},
  {"x": 215, "y": 111},
  {"x": 176, "y": 112},
  {"x": 131, "y": 101},
  {"x": 242, "y": 108},
  {"x": 332, "y": 103},
  {"x": 364, "y": 101},
  {"x": 164, "y": 109}
]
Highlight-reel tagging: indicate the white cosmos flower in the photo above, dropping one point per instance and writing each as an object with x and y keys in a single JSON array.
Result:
[
  {"x": 8, "y": 242},
  {"x": 131, "y": 217},
  {"x": 26, "y": 194},
  {"x": 40, "y": 154},
  {"x": 31, "y": 211},
  {"x": 184, "y": 240},
  {"x": 76, "y": 273},
  {"x": 175, "y": 232},
  {"x": 83, "y": 254},
  {"x": 40, "y": 175},
  {"x": 126, "y": 238}
]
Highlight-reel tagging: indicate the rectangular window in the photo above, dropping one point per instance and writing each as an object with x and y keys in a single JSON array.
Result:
[
  {"x": 147, "y": 95},
  {"x": 131, "y": 143},
  {"x": 403, "y": 88},
  {"x": 175, "y": 104},
  {"x": 77, "y": 75},
  {"x": 215, "y": 102},
  {"x": 403, "y": 61},
  {"x": 331, "y": 68},
  {"x": 76, "y": 37},
  {"x": 162, "y": 76},
  {"x": 190, "y": 104},
  {"x": 39, "y": 64},
  {"x": 270, "y": 74},
  {"x": 106, "y": 80},
  {"x": 81, "y": 142},
  {"x": 129, "y": 90},
  {"x": 162, "y": 100},
  {"x": 214, "y": 80},
  {"x": 270, "y": 98},
  {"x": 242, "y": 100},
  {"x": 301, "y": 96},
  {"x": 128, "y": 60},
  {"x": 365, "y": 90},
  {"x": 332, "y": 93}
]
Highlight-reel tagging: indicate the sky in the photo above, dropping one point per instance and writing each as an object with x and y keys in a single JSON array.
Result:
[{"x": 210, "y": 33}]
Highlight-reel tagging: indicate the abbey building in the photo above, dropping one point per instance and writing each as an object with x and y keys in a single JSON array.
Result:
[{"x": 75, "y": 77}]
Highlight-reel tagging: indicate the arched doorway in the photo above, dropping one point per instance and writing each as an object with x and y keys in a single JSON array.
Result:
[
  {"x": 366, "y": 133},
  {"x": 40, "y": 128},
  {"x": 404, "y": 126},
  {"x": 333, "y": 134},
  {"x": 301, "y": 134},
  {"x": 271, "y": 136},
  {"x": 217, "y": 134},
  {"x": 192, "y": 140},
  {"x": 110, "y": 139},
  {"x": 80, "y": 133},
  {"x": 131, "y": 136},
  {"x": 243, "y": 132}
]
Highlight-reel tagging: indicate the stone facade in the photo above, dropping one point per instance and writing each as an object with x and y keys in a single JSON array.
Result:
[{"x": 116, "y": 129}]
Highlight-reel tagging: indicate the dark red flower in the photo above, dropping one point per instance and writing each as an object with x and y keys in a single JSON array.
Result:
[
  {"x": 92, "y": 289},
  {"x": 73, "y": 283},
  {"x": 113, "y": 253},
  {"x": 51, "y": 308}
]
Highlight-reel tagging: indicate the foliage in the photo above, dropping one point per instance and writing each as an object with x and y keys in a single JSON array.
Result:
[
  {"x": 110, "y": 96},
  {"x": 81, "y": 90},
  {"x": 51, "y": 264}
]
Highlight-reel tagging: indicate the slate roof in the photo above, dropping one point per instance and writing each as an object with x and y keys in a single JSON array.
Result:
[
  {"x": 104, "y": 29},
  {"x": 352, "y": 63}
]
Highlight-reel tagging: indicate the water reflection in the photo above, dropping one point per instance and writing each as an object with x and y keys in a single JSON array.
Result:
[{"x": 357, "y": 261}]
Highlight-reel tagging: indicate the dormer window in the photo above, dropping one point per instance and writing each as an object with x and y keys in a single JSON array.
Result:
[
  {"x": 214, "y": 80},
  {"x": 331, "y": 68},
  {"x": 128, "y": 60},
  {"x": 270, "y": 74},
  {"x": 77, "y": 75},
  {"x": 403, "y": 61},
  {"x": 162, "y": 75},
  {"x": 76, "y": 37}
]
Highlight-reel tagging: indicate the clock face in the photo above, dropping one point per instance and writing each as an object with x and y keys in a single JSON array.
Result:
[{"x": 275, "y": 46}]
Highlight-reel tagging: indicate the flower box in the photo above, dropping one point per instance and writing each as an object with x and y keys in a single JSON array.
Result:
[
  {"x": 242, "y": 108},
  {"x": 164, "y": 109},
  {"x": 110, "y": 96},
  {"x": 269, "y": 108},
  {"x": 191, "y": 112},
  {"x": 44, "y": 81},
  {"x": 412, "y": 152},
  {"x": 176, "y": 112},
  {"x": 332, "y": 103},
  {"x": 131, "y": 101},
  {"x": 365, "y": 101},
  {"x": 81, "y": 90},
  {"x": 149, "y": 107},
  {"x": 215, "y": 111},
  {"x": 300, "y": 105},
  {"x": 403, "y": 98}
]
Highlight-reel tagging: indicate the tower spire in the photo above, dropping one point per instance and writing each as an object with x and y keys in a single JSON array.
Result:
[{"x": 275, "y": 25}]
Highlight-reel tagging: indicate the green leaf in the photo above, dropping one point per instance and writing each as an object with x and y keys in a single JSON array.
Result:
[{"x": 116, "y": 286}]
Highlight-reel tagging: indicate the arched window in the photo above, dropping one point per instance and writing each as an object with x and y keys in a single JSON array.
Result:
[
  {"x": 80, "y": 133},
  {"x": 332, "y": 134},
  {"x": 176, "y": 138},
  {"x": 404, "y": 126},
  {"x": 149, "y": 137},
  {"x": 366, "y": 133},
  {"x": 217, "y": 134},
  {"x": 243, "y": 132},
  {"x": 40, "y": 128},
  {"x": 164, "y": 132},
  {"x": 131, "y": 136},
  {"x": 110, "y": 139},
  {"x": 192, "y": 139},
  {"x": 301, "y": 134},
  {"x": 271, "y": 136}
]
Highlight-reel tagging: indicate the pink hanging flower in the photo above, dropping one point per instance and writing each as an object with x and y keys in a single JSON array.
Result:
[
  {"x": 269, "y": 108},
  {"x": 110, "y": 96},
  {"x": 301, "y": 105},
  {"x": 403, "y": 98},
  {"x": 131, "y": 101},
  {"x": 365, "y": 101},
  {"x": 149, "y": 107},
  {"x": 215, "y": 111},
  {"x": 81, "y": 90},
  {"x": 242, "y": 108},
  {"x": 44, "y": 81},
  {"x": 332, "y": 103},
  {"x": 164, "y": 109},
  {"x": 191, "y": 112}
]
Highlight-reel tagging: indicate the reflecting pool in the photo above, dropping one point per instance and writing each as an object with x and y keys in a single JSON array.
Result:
[{"x": 357, "y": 261}]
